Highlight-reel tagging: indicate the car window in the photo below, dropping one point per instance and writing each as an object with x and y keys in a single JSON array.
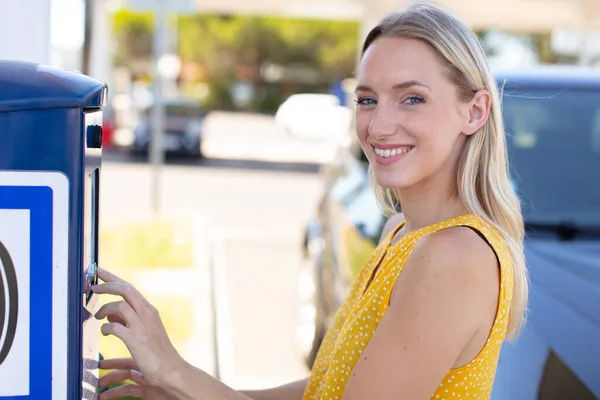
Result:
[
  {"x": 554, "y": 150},
  {"x": 180, "y": 110},
  {"x": 184, "y": 111}
]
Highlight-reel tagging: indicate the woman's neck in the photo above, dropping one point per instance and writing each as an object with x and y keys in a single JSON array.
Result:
[{"x": 427, "y": 203}]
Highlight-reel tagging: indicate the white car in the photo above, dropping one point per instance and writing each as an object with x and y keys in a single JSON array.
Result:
[{"x": 314, "y": 116}]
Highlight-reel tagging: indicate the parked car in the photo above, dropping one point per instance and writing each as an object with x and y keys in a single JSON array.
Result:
[
  {"x": 314, "y": 116},
  {"x": 552, "y": 118},
  {"x": 184, "y": 120}
]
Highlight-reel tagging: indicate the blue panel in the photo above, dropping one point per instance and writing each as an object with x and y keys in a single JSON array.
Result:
[
  {"x": 41, "y": 140},
  {"x": 39, "y": 201},
  {"x": 53, "y": 140},
  {"x": 29, "y": 86},
  {"x": 42, "y": 128}
]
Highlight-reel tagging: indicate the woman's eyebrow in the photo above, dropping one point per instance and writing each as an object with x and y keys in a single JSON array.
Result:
[{"x": 401, "y": 85}]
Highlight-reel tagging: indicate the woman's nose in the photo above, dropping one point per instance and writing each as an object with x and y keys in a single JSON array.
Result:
[{"x": 382, "y": 123}]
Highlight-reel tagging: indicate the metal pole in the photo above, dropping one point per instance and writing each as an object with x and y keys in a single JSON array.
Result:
[
  {"x": 156, "y": 142},
  {"x": 88, "y": 36}
]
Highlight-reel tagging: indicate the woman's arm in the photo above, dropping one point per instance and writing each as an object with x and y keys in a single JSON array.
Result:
[{"x": 155, "y": 367}]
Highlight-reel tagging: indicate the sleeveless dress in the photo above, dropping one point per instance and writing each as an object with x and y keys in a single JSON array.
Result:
[{"x": 357, "y": 319}]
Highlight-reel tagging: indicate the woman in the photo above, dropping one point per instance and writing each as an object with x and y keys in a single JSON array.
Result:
[{"x": 429, "y": 311}]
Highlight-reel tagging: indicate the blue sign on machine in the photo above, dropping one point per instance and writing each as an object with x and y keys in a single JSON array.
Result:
[{"x": 33, "y": 285}]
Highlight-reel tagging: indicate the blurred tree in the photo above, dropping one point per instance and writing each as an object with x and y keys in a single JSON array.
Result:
[
  {"x": 133, "y": 33},
  {"x": 228, "y": 49}
]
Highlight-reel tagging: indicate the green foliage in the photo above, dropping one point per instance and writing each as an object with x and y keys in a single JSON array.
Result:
[
  {"x": 216, "y": 42},
  {"x": 226, "y": 49},
  {"x": 133, "y": 35}
]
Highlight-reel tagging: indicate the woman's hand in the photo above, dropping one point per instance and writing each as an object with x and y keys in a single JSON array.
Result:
[
  {"x": 137, "y": 323},
  {"x": 126, "y": 369}
]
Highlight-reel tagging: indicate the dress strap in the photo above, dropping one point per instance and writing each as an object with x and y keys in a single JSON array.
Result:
[{"x": 393, "y": 232}]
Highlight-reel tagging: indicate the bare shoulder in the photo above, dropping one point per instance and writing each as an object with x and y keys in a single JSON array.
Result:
[
  {"x": 390, "y": 224},
  {"x": 457, "y": 247},
  {"x": 459, "y": 264}
]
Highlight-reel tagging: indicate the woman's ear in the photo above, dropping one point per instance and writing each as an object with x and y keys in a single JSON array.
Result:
[{"x": 479, "y": 111}]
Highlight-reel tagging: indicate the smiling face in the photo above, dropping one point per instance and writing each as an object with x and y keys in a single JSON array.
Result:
[{"x": 410, "y": 120}]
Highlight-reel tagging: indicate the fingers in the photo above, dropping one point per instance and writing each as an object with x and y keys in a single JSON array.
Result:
[
  {"x": 122, "y": 375},
  {"x": 106, "y": 276},
  {"x": 137, "y": 377},
  {"x": 118, "y": 311},
  {"x": 118, "y": 363},
  {"x": 113, "y": 377},
  {"x": 115, "y": 318},
  {"x": 123, "y": 289},
  {"x": 116, "y": 329},
  {"x": 128, "y": 390}
]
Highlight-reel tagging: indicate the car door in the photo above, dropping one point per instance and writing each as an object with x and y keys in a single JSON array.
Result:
[{"x": 553, "y": 140}]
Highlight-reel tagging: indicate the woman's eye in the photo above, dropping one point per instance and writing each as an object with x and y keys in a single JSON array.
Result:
[
  {"x": 414, "y": 100},
  {"x": 365, "y": 101}
]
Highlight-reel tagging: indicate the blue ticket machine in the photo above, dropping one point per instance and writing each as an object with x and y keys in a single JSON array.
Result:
[{"x": 50, "y": 159}]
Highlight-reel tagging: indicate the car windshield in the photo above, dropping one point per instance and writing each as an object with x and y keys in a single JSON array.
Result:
[{"x": 554, "y": 149}]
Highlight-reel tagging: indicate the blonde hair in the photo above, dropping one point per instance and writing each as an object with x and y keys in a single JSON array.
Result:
[{"x": 483, "y": 173}]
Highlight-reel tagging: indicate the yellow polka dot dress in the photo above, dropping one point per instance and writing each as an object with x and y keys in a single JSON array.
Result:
[{"x": 358, "y": 318}]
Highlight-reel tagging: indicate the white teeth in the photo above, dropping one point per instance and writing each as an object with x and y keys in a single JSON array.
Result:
[{"x": 392, "y": 152}]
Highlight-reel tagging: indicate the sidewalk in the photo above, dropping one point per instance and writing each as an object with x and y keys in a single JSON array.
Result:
[{"x": 167, "y": 261}]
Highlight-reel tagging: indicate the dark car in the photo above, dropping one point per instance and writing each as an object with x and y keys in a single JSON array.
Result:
[
  {"x": 184, "y": 120},
  {"x": 552, "y": 119}
]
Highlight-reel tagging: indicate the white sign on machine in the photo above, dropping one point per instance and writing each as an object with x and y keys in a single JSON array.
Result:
[{"x": 34, "y": 235}]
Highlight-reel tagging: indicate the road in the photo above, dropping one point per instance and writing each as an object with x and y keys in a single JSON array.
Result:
[{"x": 248, "y": 209}]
